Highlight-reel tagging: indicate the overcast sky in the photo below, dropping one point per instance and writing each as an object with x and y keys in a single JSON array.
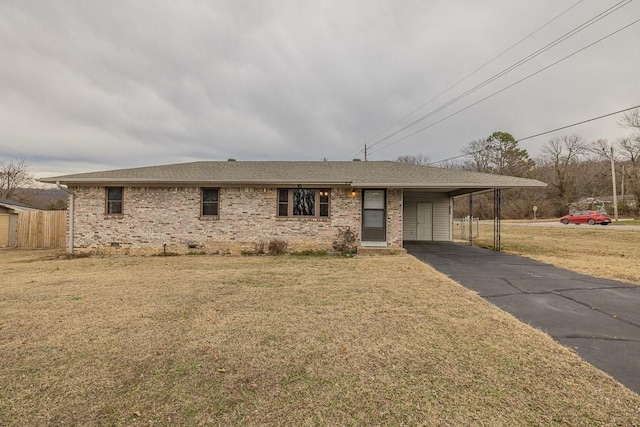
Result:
[{"x": 88, "y": 86}]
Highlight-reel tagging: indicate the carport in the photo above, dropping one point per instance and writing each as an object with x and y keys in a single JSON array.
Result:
[
  {"x": 428, "y": 213},
  {"x": 597, "y": 318}
]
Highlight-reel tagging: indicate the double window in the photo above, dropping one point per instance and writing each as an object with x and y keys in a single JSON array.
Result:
[
  {"x": 115, "y": 196},
  {"x": 303, "y": 202},
  {"x": 210, "y": 202}
]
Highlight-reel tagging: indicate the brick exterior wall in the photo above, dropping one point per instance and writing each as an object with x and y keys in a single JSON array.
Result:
[
  {"x": 394, "y": 218},
  {"x": 155, "y": 216}
]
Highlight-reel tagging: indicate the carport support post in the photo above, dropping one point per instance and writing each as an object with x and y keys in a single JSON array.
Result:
[
  {"x": 497, "y": 196},
  {"x": 470, "y": 219}
]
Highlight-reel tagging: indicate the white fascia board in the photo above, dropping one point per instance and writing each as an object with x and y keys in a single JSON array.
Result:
[{"x": 448, "y": 186}]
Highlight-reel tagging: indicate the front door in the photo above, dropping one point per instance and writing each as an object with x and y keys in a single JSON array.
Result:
[
  {"x": 374, "y": 216},
  {"x": 425, "y": 221}
]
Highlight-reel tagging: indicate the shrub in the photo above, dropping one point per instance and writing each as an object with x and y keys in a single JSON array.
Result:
[
  {"x": 277, "y": 247},
  {"x": 345, "y": 242},
  {"x": 260, "y": 248}
]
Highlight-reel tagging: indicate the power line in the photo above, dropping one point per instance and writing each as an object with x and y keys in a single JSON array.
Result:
[
  {"x": 473, "y": 72},
  {"x": 544, "y": 133},
  {"x": 517, "y": 64},
  {"x": 578, "y": 123},
  {"x": 505, "y": 88},
  {"x": 531, "y": 56},
  {"x": 452, "y": 158}
]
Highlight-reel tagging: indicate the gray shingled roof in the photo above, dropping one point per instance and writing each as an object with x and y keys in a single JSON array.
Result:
[{"x": 385, "y": 174}]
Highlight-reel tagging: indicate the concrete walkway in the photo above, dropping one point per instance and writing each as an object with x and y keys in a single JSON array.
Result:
[{"x": 598, "y": 318}]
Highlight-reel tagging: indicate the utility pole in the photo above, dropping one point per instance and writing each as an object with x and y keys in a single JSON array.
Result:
[
  {"x": 365, "y": 152},
  {"x": 622, "y": 189},
  {"x": 615, "y": 191}
]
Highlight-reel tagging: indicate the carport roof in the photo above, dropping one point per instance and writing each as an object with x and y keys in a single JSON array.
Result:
[{"x": 356, "y": 174}]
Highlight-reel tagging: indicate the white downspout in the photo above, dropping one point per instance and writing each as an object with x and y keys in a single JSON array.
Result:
[{"x": 71, "y": 203}]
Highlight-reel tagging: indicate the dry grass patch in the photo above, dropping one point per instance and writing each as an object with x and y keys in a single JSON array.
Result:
[
  {"x": 593, "y": 250},
  {"x": 277, "y": 341},
  {"x": 626, "y": 222}
]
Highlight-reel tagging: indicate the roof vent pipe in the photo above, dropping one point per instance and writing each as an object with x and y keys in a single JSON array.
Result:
[{"x": 357, "y": 160}]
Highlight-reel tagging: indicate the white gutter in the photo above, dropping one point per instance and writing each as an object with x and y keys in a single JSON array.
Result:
[
  {"x": 450, "y": 185},
  {"x": 71, "y": 203}
]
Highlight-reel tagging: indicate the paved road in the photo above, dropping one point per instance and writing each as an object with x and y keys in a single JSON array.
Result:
[
  {"x": 571, "y": 226},
  {"x": 598, "y": 318}
]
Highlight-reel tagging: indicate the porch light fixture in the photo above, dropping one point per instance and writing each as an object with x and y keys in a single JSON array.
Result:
[{"x": 354, "y": 193}]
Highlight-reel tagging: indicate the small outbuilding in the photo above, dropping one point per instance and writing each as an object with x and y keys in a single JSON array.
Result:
[{"x": 9, "y": 211}]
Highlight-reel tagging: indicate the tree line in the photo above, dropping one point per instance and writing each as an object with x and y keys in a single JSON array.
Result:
[
  {"x": 16, "y": 184},
  {"x": 578, "y": 173}
]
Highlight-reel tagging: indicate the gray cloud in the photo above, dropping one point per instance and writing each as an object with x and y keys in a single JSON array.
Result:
[{"x": 99, "y": 85}]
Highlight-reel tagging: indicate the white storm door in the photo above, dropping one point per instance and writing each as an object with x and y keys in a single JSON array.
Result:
[
  {"x": 425, "y": 221},
  {"x": 374, "y": 216}
]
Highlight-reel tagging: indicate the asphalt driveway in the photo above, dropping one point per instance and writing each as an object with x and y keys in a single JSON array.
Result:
[{"x": 598, "y": 318}]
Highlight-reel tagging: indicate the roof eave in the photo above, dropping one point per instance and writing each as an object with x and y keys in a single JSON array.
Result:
[{"x": 188, "y": 182}]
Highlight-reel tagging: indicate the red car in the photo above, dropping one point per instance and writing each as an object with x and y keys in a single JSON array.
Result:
[{"x": 586, "y": 217}]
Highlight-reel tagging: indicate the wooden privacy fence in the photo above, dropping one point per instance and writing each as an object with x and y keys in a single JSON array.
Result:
[{"x": 42, "y": 229}]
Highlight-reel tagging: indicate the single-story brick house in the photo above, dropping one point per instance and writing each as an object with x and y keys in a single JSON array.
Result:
[{"x": 230, "y": 206}]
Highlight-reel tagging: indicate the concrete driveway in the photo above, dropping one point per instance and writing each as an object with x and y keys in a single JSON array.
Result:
[{"x": 598, "y": 318}]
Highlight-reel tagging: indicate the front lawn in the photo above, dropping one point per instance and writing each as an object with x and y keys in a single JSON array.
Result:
[
  {"x": 201, "y": 340},
  {"x": 594, "y": 250}
]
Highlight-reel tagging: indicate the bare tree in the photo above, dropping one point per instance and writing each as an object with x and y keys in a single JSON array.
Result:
[
  {"x": 626, "y": 152},
  {"x": 562, "y": 155},
  {"x": 451, "y": 164},
  {"x": 630, "y": 119},
  {"x": 480, "y": 153},
  {"x": 565, "y": 150},
  {"x": 13, "y": 175},
  {"x": 595, "y": 177},
  {"x": 414, "y": 159},
  {"x": 630, "y": 150},
  {"x": 601, "y": 148}
]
